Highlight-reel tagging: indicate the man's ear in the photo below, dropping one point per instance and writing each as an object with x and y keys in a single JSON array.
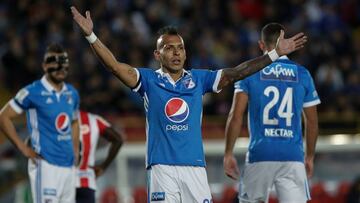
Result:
[
  {"x": 157, "y": 54},
  {"x": 43, "y": 66},
  {"x": 262, "y": 45}
]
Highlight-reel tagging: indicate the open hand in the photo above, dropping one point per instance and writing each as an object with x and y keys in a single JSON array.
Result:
[
  {"x": 286, "y": 46},
  {"x": 86, "y": 24},
  {"x": 230, "y": 167},
  {"x": 30, "y": 154}
]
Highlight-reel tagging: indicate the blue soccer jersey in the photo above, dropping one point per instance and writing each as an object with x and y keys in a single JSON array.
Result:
[
  {"x": 49, "y": 116},
  {"x": 277, "y": 95},
  {"x": 174, "y": 113}
]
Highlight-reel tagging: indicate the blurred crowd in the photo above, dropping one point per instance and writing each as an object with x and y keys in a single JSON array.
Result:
[{"x": 217, "y": 34}]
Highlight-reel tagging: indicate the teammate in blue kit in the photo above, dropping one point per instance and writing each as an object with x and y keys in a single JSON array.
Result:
[
  {"x": 277, "y": 95},
  {"x": 51, "y": 108},
  {"x": 173, "y": 107}
]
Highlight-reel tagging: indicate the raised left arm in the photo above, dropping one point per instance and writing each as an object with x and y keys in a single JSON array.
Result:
[{"x": 247, "y": 68}]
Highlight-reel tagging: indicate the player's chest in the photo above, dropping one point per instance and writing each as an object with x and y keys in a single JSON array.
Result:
[{"x": 54, "y": 103}]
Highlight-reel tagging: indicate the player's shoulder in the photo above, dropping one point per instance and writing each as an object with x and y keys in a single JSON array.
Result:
[
  {"x": 146, "y": 70},
  {"x": 300, "y": 68},
  {"x": 32, "y": 87},
  {"x": 200, "y": 72},
  {"x": 293, "y": 63}
]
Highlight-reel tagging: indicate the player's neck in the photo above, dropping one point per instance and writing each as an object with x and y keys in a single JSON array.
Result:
[
  {"x": 56, "y": 85},
  {"x": 174, "y": 74}
]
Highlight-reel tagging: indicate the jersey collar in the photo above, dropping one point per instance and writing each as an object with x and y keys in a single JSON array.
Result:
[
  {"x": 284, "y": 57},
  {"x": 49, "y": 87},
  {"x": 281, "y": 57},
  {"x": 167, "y": 75}
]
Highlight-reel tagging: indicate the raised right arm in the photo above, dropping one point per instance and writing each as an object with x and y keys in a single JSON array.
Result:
[{"x": 126, "y": 73}]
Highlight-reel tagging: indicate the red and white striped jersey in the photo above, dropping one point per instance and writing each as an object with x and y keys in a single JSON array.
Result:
[{"x": 91, "y": 128}]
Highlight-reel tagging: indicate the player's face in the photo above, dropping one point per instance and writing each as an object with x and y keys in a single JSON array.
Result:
[
  {"x": 171, "y": 52},
  {"x": 56, "y": 66}
]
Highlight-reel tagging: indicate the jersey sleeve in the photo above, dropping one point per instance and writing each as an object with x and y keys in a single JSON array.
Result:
[
  {"x": 210, "y": 80},
  {"x": 311, "y": 95},
  {"x": 142, "y": 74},
  {"x": 102, "y": 124},
  {"x": 22, "y": 100},
  {"x": 241, "y": 86}
]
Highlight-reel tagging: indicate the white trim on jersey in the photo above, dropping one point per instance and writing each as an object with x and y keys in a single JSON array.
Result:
[
  {"x": 49, "y": 87},
  {"x": 15, "y": 106},
  {"x": 170, "y": 79},
  {"x": 216, "y": 82},
  {"x": 250, "y": 136},
  {"x": 35, "y": 135},
  {"x": 147, "y": 141},
  {"x": 146, "y": 102},
  {"x": 135, "y": 89},
  {"x": 238, "y": 90},
  {"x": 311, "y": 103}
]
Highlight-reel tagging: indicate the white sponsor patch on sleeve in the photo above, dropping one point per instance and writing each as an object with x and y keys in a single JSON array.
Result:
[{"x": 21, "y": 95}]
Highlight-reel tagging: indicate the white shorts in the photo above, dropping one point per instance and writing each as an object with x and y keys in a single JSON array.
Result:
[
  {"x": 289, "y": 179},
  {"x": 51, "y": 183},
  {"x": 178, "y": 184}
]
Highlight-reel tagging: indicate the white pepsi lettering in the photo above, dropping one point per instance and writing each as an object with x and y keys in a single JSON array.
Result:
[
  {"x": 63, "y": 137},
  {"x": 278, "y": 132},
  {"x": 278, "y": 71},
  {"x": 177, "y": 127}
]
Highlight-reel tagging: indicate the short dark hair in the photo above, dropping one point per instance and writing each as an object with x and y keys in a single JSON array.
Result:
[
  {"x": 270, "y": 33},
  {"x": 168, "y": 30},
  {"x": 55, "y": 48}
]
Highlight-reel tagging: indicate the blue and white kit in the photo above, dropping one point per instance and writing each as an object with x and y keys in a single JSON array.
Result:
[
  {"x": 49, "y": 117},
  {"x": 173, "y": 128},
  {"x": 276, "y": 98}
]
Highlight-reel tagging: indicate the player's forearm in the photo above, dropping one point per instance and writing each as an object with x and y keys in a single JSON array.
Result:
[
  {"x": 311, "y": 129},
  {"x": 105, "y": 55},
  {"x": 124, "y": 72},
  {"x": 247, "y": 68},
  {"x": 232, "y": 130},
  {"x": 8, "y": 128},
  {"x": 117, "y": 139},
  {"x": 114, "y": 149},
  {"x": 311, "y": 138}
]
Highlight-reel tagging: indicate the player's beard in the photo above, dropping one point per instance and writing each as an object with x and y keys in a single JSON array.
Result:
[{"x": 54, "y": 79}]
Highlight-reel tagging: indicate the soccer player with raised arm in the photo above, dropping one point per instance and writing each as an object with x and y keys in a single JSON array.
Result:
[
  {"x": 173, "y": 107},
  {"x": 51, "y": 107},
  {"x": 276, "y": 97}
]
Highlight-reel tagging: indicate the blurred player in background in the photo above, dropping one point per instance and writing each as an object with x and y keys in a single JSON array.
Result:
[
  {"x": 92, "y": 127},
  {"x": 51, "y": 107},
  {"x": 276, "y": 95},
  {"x": 173, "y": 106}
]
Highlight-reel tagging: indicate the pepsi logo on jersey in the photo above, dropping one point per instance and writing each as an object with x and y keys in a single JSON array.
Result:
[
  {"x": 62, "y": 123},
  {"x": 177, "y": 111}
]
